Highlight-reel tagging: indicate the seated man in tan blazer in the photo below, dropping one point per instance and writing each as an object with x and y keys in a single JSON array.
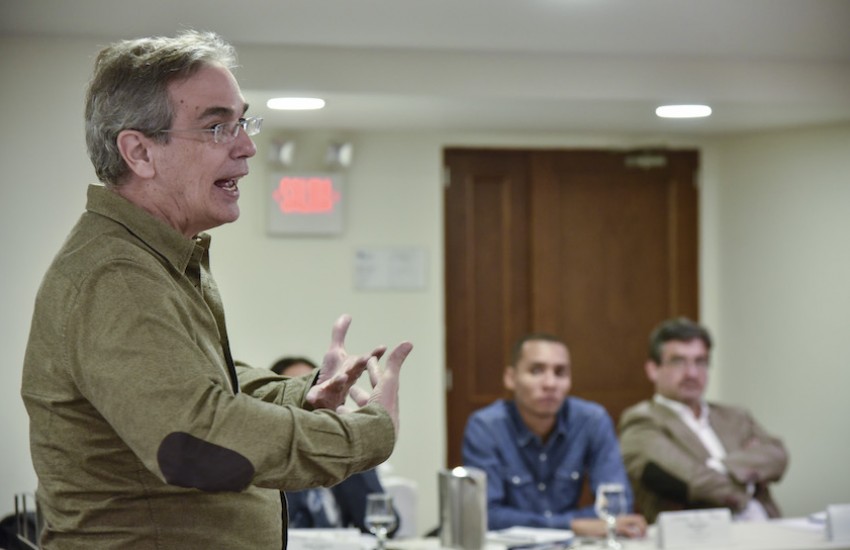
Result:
[{"x": 682, "y": 452}]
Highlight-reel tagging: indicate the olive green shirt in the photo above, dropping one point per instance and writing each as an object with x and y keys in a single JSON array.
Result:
[{"x": 139, "y": 434}]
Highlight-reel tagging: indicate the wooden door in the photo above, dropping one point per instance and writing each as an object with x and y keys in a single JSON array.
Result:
[
  {"x": 487, "y": 273},
  {"x": 593, "y": 246}
]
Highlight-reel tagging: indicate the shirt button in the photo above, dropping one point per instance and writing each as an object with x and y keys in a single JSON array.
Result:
[
  {"x": 543, "y": 457},
  {"x": 541, "y": 486},
  {"x": 515, "y": 480},
  {"x": 575, "y": 475}
]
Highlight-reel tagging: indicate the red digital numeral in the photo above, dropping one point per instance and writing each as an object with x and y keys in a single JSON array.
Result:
[{"x": 305, "y": 195}]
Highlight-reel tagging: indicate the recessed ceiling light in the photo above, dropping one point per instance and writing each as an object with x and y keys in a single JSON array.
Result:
[
  {"x": 683, "y": 111},
  {"x": 295, "y": 103}
]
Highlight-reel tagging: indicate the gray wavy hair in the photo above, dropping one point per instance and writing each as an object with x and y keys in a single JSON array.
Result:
[{"x": 129, "y": 90}]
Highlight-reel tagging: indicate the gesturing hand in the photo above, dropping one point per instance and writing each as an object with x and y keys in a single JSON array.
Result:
[
  {"x": 384, "y": 383},
  {"x": 339, "y": 370}
]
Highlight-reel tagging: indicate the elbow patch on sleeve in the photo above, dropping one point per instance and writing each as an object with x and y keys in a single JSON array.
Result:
[
  {"x": 664, "y": 483},
  {"x": 187, "y": 461}
]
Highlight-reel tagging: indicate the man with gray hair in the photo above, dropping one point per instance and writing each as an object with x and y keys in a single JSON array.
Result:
[
  {"x": 683, "y": 452},
  {"x": 144, "y": 432}
]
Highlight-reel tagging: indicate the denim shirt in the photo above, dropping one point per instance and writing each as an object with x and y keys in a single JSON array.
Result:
[{"x": 538, "y": 484}]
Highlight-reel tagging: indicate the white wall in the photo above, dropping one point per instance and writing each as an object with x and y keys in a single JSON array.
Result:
[
  {"x": 281, "y": 295},
  {"x": 784, "y": 295},
  {"x": 45, "y": 168}
]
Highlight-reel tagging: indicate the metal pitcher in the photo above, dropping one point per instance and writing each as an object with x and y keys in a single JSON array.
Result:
[{"x": 463, "y": 508}]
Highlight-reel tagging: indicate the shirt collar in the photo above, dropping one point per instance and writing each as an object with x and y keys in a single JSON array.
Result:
[
  {"x": 161, "y": 237},
  {"x": 681, "y": 409},
  {"x": 526, "y": 436}
]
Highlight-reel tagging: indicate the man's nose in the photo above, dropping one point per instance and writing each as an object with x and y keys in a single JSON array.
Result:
[
  {"x": 243, "y": 145},
  {"x": 692, "y": 368}
]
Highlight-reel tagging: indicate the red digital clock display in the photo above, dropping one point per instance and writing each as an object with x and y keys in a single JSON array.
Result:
[
  {"x": 306, "y": 195},
  {"x": 306, "y": 203}
]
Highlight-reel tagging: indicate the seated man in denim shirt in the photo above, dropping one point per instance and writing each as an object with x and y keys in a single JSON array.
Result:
[{"x": 538, "y": 448}]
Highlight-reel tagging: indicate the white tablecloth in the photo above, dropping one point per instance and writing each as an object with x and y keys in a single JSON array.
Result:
[{"x": 781, "y": 534}]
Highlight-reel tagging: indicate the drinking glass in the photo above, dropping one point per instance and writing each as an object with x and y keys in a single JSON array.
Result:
[
  {"x": 610, "y": 503},
  {"x": 380, "y": 516}
]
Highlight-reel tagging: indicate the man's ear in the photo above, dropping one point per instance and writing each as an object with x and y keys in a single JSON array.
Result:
[
  {"x": 651, "y": 369},
  {"x": 508, "y": 378},
  {"x": 134, "y": 147}
]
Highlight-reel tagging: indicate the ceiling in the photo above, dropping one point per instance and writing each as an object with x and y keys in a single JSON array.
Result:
[{"x": 517, "y": 65}]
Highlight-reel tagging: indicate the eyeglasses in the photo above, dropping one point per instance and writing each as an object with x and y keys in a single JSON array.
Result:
[
  {"x": 225, "y": 132},
  {"x": 682, "y": 362}
]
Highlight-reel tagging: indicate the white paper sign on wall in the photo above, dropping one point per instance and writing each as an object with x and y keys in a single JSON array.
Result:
[{"x": 390, "y": 268}]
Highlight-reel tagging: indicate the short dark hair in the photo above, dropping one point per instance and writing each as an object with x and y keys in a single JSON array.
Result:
[
  {"x": 679, "y": 329},
  {"x": 284, "y": 363},
  {"x": 531, "y": 337}
]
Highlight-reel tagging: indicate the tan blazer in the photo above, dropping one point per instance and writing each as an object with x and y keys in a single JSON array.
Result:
[{"x": 666, "y": 461}]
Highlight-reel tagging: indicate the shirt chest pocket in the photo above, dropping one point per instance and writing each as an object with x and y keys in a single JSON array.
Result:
[
  {"x": 567, "y": 484},
  {"x": 520, "y": 488},
  {"x": 563, "y": 487}
]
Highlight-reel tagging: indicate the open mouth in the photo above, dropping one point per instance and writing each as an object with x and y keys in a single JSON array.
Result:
[{"x": 229, "y": 184}]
